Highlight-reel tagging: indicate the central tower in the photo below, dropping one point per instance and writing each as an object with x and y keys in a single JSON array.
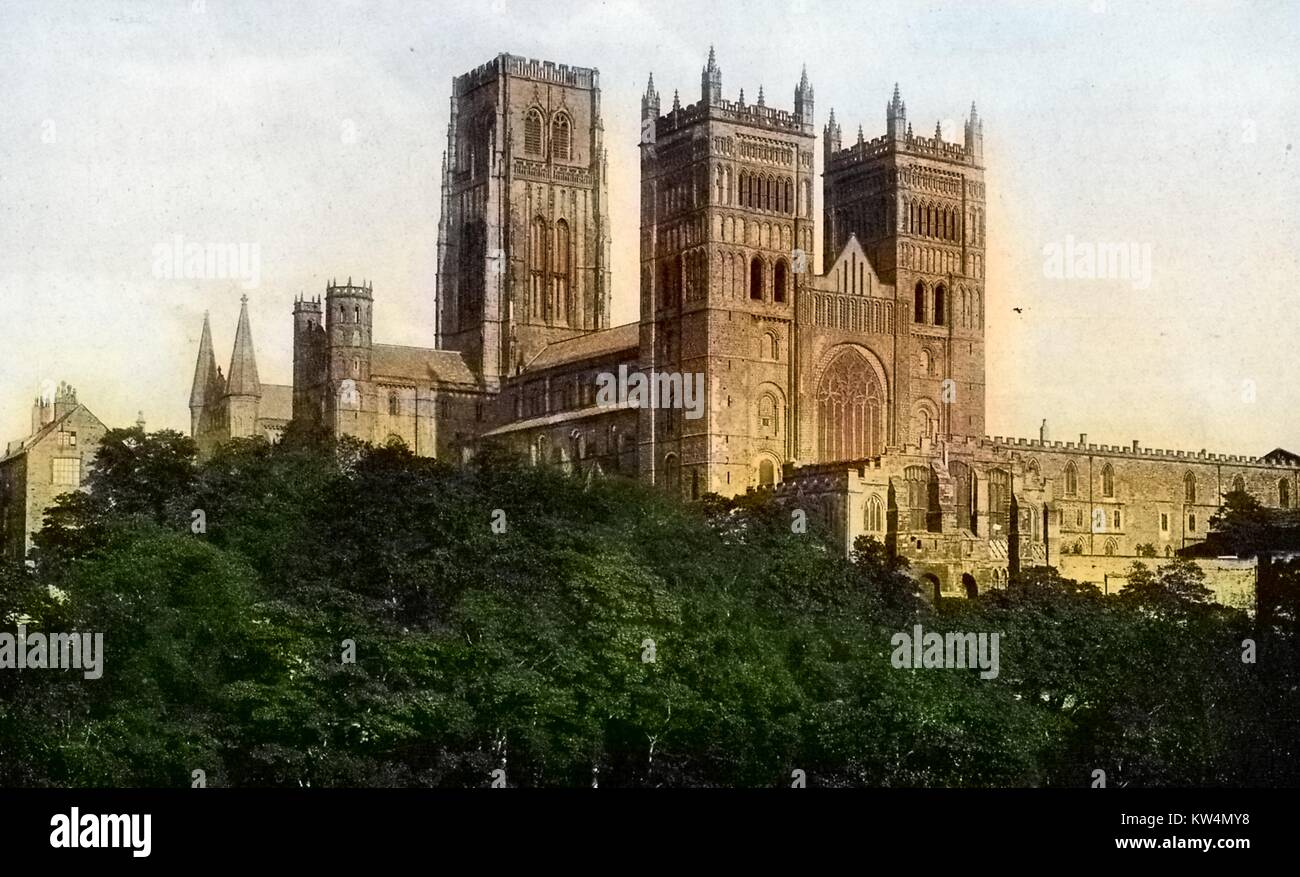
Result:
[
  {"x": 726, "y": 221},
  {"x": 523, "y": 239}
]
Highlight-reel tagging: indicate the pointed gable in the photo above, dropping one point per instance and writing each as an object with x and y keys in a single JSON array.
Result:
[
  {"x": 242, "y": 379},
  {"x": 853, "y": 272}
]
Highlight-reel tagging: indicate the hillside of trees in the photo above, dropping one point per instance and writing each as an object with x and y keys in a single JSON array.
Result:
[{"x": 347, "y": 615}]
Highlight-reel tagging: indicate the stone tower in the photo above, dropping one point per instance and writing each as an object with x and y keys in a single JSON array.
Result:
[
  {"x": 916, "y": 204},
  {"x": 310, "y": 362},
  {"x": 726, "y": 214},
  {"x": 350, "y": 400},
  {"x": 523, "y": 239}
]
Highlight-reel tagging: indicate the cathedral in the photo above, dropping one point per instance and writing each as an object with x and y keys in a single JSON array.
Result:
[{"x": 853, "y": 390}]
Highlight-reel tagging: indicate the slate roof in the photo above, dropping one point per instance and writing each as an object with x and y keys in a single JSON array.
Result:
[
  {"x": 588, "y": 346},
  {"x": 420, "y": 364}
]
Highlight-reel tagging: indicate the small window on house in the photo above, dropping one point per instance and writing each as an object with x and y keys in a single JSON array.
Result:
[
  {"x": 1164, "y": 522},
  {"x": 918, "y": 303},
  {"x": 779, "y": 281},
  {"x": 1071, "y": 479},
  {"x": 1107, "y": 481},
  {"x": 1189, "y": 488},
  {"x": 1117, "y": 519},
  {"x": 756, "y": 278},
  {"x": 1191, "y": 523},
  {"x": 393, "y": 405}
]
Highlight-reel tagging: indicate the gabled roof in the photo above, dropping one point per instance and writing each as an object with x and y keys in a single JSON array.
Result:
[
  {"x": 1282, "y": 456},
  {"x": 17, "y": 449},
  {"x": 420, "y": 364},
  {"x": 590, "y": 345},
  {"x": 276, "y": 403},
  {"x": 845, "y": 266}
]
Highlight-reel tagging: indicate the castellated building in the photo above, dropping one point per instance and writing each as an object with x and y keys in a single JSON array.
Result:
[{"x": 855, "y": 393}]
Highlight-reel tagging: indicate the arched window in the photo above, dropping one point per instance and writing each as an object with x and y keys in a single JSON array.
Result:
[
  {"x": 1284, "y": 493},
  {"x": 1169, "y": 551},
  {"x": 769, "y": 347},
  {"x": 873, "y": 515},
  {"x": 1111, "y": 548},
  {"x": 850, "y": 405},
  {"x": 533, "y": 132},
  {"x": 999, "y": 502},
  {"x": 670, "y": 475},
  {"x": 1238, "y": 484},
  {"x": 560, "y": 263},
  {"x": 918, "y": 301},
  {"x": 927, "y": 361},
  {"x": 537, "y": 268},
  {"x": 779, "y": 281},
  {"x": 756, "y": 278},
  {"x": 1189, "y": 488},
  {"x": 766, "y": 472},
  {"x": 963, "y": 482},
  {"x": 938, "y": 304},
  {"x": 560, "y": 137},
  {"x": 917, "y": 479},
  {"x": 924, "y": 424},
  {"x": 1071, "y": 479},
  {"x": 393, "y": 402},
  {"x": 767, "y": 417},
  {"x": 1107, "y": 481}
]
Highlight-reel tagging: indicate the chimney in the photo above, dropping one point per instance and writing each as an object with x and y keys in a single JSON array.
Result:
[
  {"x": 1042, "y": 431},
  {"x": 1083, "y": 439},
  {"x": 1135, "y": 446}
]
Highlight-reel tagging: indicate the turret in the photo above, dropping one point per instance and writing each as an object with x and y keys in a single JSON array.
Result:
[
  {"x": 650, "y": 101},
  {"x": 348, "y": 322},
  {"x": 896, "y": 117},
  {"x": 308, "y": 360},
  {"x": 711, "y": 80},
  {"x": 803, "y": 101},
  {"x": 831, "y": 136},
  {"x": 974, "y": 133}
]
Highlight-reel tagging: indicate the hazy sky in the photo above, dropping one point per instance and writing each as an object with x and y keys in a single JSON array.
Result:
[{"x": 315, "y": 131}]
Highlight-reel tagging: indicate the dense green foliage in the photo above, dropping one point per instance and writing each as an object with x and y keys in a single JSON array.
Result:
[{"x": 530, "y": 649}]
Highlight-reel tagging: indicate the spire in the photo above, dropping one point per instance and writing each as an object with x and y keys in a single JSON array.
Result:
[
  {"x": 677, "y": 101},
  {"x": 761, "y": 102},
  {"x": 742, "y": 97},
  {"x": 242, "y": 380},
  {"x": 803, "y": 79},
  {"x": 938, "y": 131},
  {"x": 896, "y": 116},
  {"x": 711, "y": 80},
  {"x": 205, "y": 370}
]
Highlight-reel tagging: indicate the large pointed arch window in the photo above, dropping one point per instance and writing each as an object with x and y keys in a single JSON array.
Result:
[
  {"x": 537, "y": 268},
  {"x": 560, "y": 267},
  {"x": 918, "y": 303},
  {"x": 561, "y": 137},
  {"x": 533, "y": 132},
  {"x": 1107, "y": 481},
  {"x": 850, "y": 406}
]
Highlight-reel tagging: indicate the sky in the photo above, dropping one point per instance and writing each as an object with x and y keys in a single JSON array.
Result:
[{"x": 314, "y": 132}]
